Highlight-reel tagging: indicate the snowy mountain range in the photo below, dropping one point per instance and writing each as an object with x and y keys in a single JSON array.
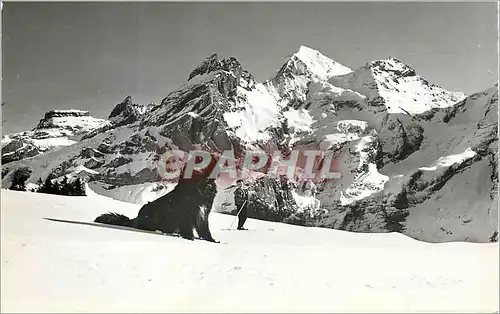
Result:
[
  {"x": 414, "y": 157},
  {"x": 57, "y": 128}
]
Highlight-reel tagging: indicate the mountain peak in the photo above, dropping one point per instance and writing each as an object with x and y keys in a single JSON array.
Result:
[
  {"x": 125, "y": 106},
  {"x": 213, "y": 63},
  {"x": 65, "y": 113},
  {"x": 305, "y": 50},
  {"x": 53, "y": 118},
  {"x": 393, "y": 65},
  {"x": 127, "y": 111},
  {"x": 210, "y": 64},
  {"x": 316, "y": 63}
]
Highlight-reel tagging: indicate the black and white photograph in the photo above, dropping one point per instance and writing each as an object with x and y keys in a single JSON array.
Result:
[{"x": 249, "y": 157}]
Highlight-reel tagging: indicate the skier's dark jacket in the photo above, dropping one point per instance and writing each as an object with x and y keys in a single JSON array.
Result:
[{"x": 240, "y": 196}]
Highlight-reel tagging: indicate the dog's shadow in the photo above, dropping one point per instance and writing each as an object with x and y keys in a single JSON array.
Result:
[{"x": 123, "y": 228}]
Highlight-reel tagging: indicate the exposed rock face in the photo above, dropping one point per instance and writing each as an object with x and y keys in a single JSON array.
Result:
[
  {"x": 128, "y": 112},
  {"x": 64, "y": 119},
  {"x": 269, "y": 199},
  {"x": 374, "y": 214},
  {"x": 231, "y": 65},
  {"x": 93, "y": 163},
  {"x": 124, "y": 113},
  {"x": 414, "y": 157},
  {"x": 17, "y": 149},
  {"x": 400, "y": 137}
]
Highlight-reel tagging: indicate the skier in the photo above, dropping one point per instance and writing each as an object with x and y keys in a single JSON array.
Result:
[{"x": 240, "y": 200}]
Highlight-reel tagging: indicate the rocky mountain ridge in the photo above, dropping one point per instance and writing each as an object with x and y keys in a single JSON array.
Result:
[
  {"x": 57, "y": 128},
  {"x": 402, "y": 145}
]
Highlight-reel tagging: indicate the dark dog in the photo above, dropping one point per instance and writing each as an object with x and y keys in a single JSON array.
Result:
[{"x": 185, "y": 208}]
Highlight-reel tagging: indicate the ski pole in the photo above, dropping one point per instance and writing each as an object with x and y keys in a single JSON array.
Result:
[{"x": 244, "y": 203}]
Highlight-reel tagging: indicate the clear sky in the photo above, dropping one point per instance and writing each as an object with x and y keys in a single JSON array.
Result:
[{"x": 92, "y": 55}]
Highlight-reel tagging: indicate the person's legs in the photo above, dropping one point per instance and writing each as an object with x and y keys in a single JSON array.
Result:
[
  {"x": 242, "y": 217},
  {"x": 239, "y": 211}
]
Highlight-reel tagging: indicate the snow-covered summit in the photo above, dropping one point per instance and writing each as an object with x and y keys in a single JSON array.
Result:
[
  {"x": 293, "y": 80},
  {"x": 67, "y": 112},
  {"x": 57, "y": 128},
  {"x": 397, "y": 86},
  {"x": 392, "y": 64},
  {"x": 312, "y": 63},
  {"x": 319, "y": 64},
  {"x": 72, "y": 120}
]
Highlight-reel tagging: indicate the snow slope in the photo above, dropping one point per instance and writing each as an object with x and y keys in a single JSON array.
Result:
[
  {"x": 135, "y": 193},
  {"x": 57, "y": 266},
  {"x": 447, "y": 161},
  {"x": 259, "y": 110},
  {"x": 317, "y": 63},
  {"x": 397, "y": 86}
]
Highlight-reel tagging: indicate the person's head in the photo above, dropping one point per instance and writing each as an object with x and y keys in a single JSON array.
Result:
[{"x": 239, "y": 183}]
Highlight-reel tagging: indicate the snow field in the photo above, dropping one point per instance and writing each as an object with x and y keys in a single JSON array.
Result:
[{"x": 54, "y": 266}]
